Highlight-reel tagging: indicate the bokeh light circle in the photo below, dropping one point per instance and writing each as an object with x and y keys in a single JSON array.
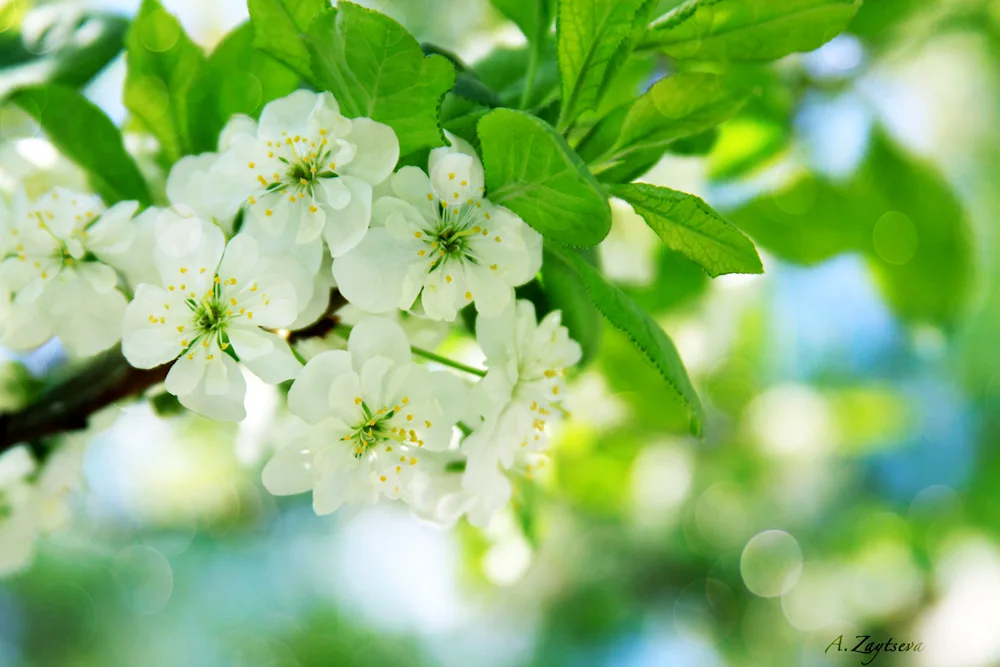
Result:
[{"x": 771, "y": 563}]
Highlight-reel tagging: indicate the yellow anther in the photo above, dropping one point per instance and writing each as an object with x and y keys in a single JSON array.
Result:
[
  {"x": 382, "y": 478},
  {"x": 202, "y": 270},
  {"x": 430, "y": 197},
  {"x": 268, "y": 212},
  {"x": 455, "y": 195},
  {"x": 468, "y": 295},
  {"x": 464, "y": 183},
  {"x": 210, "y": 357},
  {"x": 409, "y": 418},
  {"x": 322, "y": 132},
  {"x": 249, "y": 314},
  {"x": 555, "y": 390},
  {"x": 252, "y": 165},
  {"x": 493, "y": 267},
  {"x": 180, "y": 328},
  {"x": 399, "y": 470},
  {"x": 417, "y": 235},
  {"x": 312, "y": 208},
  {"x": 185, "y": 342},
  {"x": 447, "y": 278},
  {"x": 421, "y": 253},
  {"x": 427, "y": 424},
  {"x": 413, "y": 461},
  {"x": 405, "y": 400},
  {"x": 184, "y": 269},
  {"x": 204, "y": 343},
  {"x": 451, "y": 177},
  {"x": 233, "y": 300},
  {"x": 497, "y": 239}
]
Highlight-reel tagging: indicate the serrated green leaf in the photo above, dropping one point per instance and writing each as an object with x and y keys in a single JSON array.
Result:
[
  {"x": 531, "y": 170},
  {"x": 85, "y": 135},
  {"x": 738, "y": 30},
  {"x": 691, "y": 227},
  {"x": 87, "y": 45},
  {"x": 279, "y": 28},
  {"x": 590, "y": 36},
  {"x": 236, "y": 79},
  {"x": 162, "y": 62},
  {"x": 375, "y": 68},
  {"x": 675, "y": 107},
  {"x": 565, "y": 291},
  {"x": 624, "y": 314}
]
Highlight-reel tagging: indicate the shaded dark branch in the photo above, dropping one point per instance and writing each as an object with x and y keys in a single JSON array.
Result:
[
  {"x": 68, "y": 405},
  {"x": 106, "y": 379}
]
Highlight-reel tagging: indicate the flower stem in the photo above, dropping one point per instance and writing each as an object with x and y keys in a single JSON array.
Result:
[
  {"x": 345, "y": 330},
  {"x": 529, "y": 77},
  {"x": 445, "y": 361}
]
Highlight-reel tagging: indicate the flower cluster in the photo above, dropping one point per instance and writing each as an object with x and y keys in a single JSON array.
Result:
[{"x": 252, "y": 241}]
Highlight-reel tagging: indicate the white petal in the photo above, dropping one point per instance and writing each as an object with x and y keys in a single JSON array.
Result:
[
  {"x": 290, "y": 470},
  {"x": 309, "y": 397},
  {"x": 333, "y": 489},
  {"x": 240, "y": 259},
  {"x": 216, "y": 379},
  {"x": 346, "y": 227},
  {"x": 239, "y": 126},
  {"x": 497, "y": 335},
  {"x": 371, "y": 275},
  {"x": 93, "y": 328},
  {"x": 378, "y": 150},
  {"x": 184, "y": 246},
  {"x": 277, "y": 365},
  {"x": 491, "y": 293},
  {"x": 345, "y": 389},
  {"x": 144, "y": 344},
  {"x": 113, "y": 231},
  {"x": 250, "y": 342},
  {"x": 378, "y": 337},
  {"x": 101, "y": 277},
  {"x": 374, "y": 375},
  {"x": 223, "y": 407},
  {"x": 413, "y": 186},
  {"x": 287, "y": 114},
  {"x": 185, "y": 375}
]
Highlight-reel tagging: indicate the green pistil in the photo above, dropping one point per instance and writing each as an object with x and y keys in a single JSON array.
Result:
[{"x": 373, "y": 431}]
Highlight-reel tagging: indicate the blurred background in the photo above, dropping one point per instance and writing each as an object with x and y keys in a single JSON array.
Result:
[{"x": 849, "y": 482}]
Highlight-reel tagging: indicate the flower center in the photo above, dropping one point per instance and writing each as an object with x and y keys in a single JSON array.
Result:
[
  {"x": 305, "y": 161},
  {"x": 210, "y": 316}
]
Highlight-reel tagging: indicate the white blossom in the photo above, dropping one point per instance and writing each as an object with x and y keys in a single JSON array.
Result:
[
  {"x": 34, "y": 502},
  {"x": 194, "y": 182},
  {"x": 58, "y": 253},
  {"x": 373, "y": 414},
  {"x": 307, "y": 171},
  {"x": 437, "y": 238},
  {"x": 519, "y": 397},
  {"x": 211, "y": 310}
]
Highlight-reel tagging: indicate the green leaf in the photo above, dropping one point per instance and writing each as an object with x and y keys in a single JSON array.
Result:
[
  {"x": 532, "y": 171},
  {"x": 737, "y": 30},
  {"x": 236, "y": 79},
  {"x": 691, "y": 227},
  {"x": 279, "y": 28},
  {"x": 375, "y": 68},
  {"x": 675, "y": 107},
  {"x": 533, "y": 17},
  {"x": 85, "y": 46},
  {"x": 162, "y": 63},
  {"x": 565, "y": 291},
  {"x": 85, "y": 135},
  {"x": 897, "y": 212},
  {"x": 590, "y": 35},
  {"x": 505, "y": 71},
  {"x": 624, "y": 314}
]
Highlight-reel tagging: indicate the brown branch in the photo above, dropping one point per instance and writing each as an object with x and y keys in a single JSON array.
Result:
[
  {"x": 68, "y": 406},
  {"x": 106, "y": 379}
]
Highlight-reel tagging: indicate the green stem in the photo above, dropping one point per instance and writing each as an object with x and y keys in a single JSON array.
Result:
[
  {"x": 345, "y": 330},
  {"x": 447, "y": 362},
  {"x": 529, "y": 78}
]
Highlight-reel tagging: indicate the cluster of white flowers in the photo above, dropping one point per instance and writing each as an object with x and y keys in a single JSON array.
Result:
[{"x": 254, "y": 238}]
